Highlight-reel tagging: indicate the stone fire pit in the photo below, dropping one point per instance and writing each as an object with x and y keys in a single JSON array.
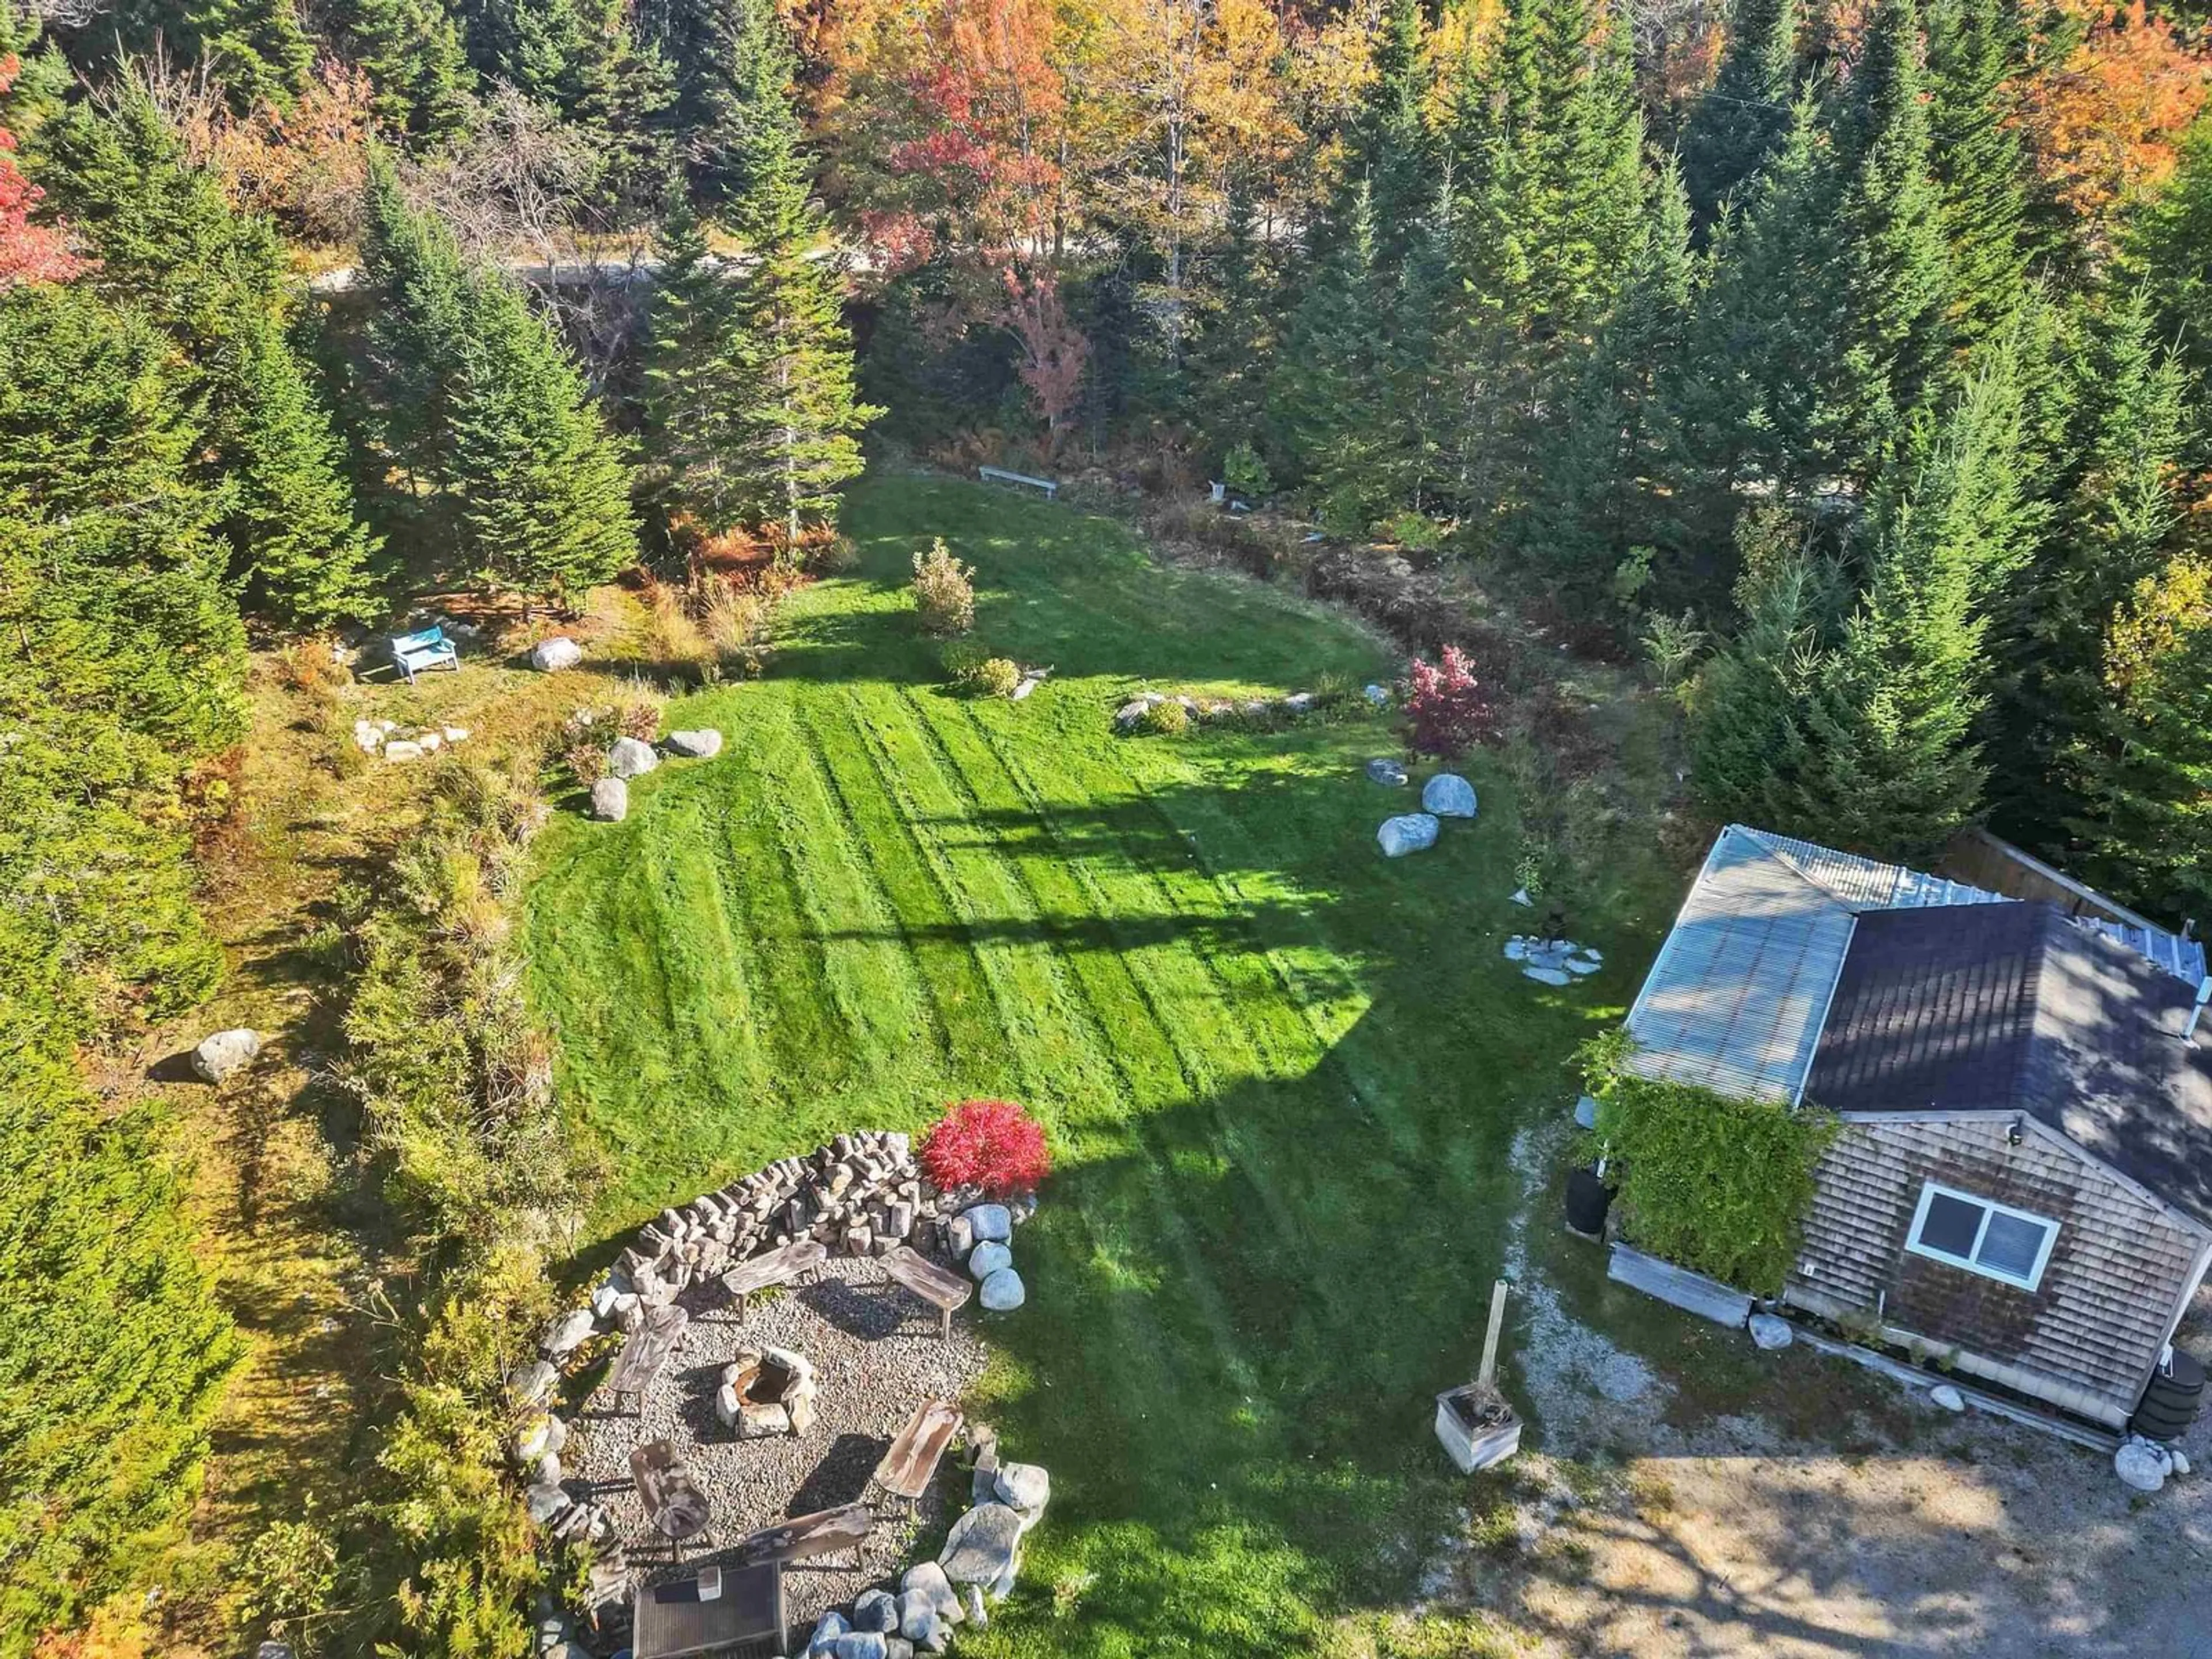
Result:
[{"x": 766, "y": 1392}]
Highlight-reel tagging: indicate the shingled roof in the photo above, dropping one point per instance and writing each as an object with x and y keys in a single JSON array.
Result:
[{"x": 2011, "y": 1007}]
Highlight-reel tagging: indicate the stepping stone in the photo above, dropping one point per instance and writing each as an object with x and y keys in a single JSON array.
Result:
[
  {"x": 1546, "y": 975},
  {"x": 1582, "y": 965}
]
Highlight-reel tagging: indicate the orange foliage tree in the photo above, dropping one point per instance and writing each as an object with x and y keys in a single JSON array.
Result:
[
  {"x": 29, "y": 252},
  {"x": 2104, "y": 107}
]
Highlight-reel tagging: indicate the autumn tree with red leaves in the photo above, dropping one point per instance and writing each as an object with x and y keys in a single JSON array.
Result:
[
  {"x": 1447, "y": 708},
  {"x": 990, "y": 1144},
  {"x": 1053, "y": 349},
  {"x": 29, "y": 252}
]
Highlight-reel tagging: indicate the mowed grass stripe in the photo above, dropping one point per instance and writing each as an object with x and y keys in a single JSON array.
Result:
[{"x": 965, "y": 1015}]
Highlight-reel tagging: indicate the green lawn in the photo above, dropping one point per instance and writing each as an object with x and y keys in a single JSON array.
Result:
[{"x": 1280, "y": 1073}]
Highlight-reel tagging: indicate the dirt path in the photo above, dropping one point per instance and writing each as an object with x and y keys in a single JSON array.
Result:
[{"x": 1724, "y": 1502}]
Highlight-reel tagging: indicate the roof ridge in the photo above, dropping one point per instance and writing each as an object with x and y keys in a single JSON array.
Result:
[{"x": 1765, "y": 840}]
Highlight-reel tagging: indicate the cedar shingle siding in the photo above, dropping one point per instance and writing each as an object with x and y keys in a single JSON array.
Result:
[{"x": 2083, "y": 1340}]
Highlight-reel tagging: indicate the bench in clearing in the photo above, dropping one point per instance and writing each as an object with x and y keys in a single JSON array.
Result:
[
  {"x": 1000, "y": 474},
  {"x": 940, "y": 1287},
  {"x": 778, "y": 1267},
  {"x": 803, "y": 1537},
  {"x": 911, "y": 1463}
]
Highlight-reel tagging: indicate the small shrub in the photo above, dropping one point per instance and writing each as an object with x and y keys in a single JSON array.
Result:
[
  {"x": 310, "y": 666},
  {"x": 671, "y": 638},
  {"x": 1166, "y": 719},
  {"x": 943, "y": 591},
  {"x": 835, "y": 555},
  {"x": 1447, "y": 710},
  {"x": 997, "y": 677},
  {"x": 740, "y": 619},
  {"x": 1245, "y": 473},
  {"x": 990, "y": 1144},
  {"x": 586, "y": 760},
  {"x": 1417, "y": 532}
]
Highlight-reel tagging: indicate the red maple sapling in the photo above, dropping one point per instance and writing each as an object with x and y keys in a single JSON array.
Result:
[
  {"x": 1446, "y": 706},
  {"x": 991, "y": 1144}
]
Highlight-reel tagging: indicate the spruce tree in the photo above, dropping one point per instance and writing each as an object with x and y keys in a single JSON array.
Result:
[
  {"x": 699, "y": 388},
  {"x": 167, "y": 239},
  {"x": 1973, "y": 49},
  {"x": 2143, "y": 773},
  {"x": 257, "y": 50},
  {"x": 1238, "y": 328},
  {"x": 417, "y": 331},
  {"x": 1895, "y": 769},
  {"x": 2112, "y": 521},
  {"x": 733, "y": 66},
  {"x": 1327, "y": 388},
  {"x": 1386, "y": 149},
  {"x": 540, "y": 486},
  {"x": 418, "y": 74},
  {"x": 1742, "y": 119},
  {"x": 1611, "y": 482},
  {"x": 2167, "y": 250}
]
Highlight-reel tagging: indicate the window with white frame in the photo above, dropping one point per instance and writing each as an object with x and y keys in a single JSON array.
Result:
[{"x": 1981, "y": 1236}]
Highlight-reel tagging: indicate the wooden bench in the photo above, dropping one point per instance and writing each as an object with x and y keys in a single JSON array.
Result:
[
  {"x": 646, "y": 1352},
  {"x": 431, "y": 648},
  {"x": 778, "y": 1267},
  {"x": 940, "y": 1287},
  {"x": 911, "y": 1463},
  {"x": 1000, "y": 474},
  {"x": 806, "y": 1536}
]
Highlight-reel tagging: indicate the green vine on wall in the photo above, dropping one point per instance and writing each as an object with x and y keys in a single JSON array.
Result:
[{"x": 1710, "y": 1182}]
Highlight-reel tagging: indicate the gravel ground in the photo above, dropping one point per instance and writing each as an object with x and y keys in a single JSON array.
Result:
[{"x": 877, "y": 1356}]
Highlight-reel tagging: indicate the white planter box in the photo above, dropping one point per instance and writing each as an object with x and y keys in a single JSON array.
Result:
[{"x": 1469, "y": 1447}]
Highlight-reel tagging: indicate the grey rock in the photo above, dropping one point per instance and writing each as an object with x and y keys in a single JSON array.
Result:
[
  {"x": 631, "y": 757},
  {"x": 544, "y": 1502},
  {"x": 556, "y": 1434},
  {"x": 926, "y": 1586},
  {"x": 220, "y": 1056},
  {"x": 2142, "y": 1465},
  {"x": 860, "y": 1644},
  {"x": 1579, "y": 966},
  {"x": 1947, "y": 1397},
  {"x": 605, "y": 1301},
  {"x": 1412, "y": 832},
  {"x": 1548, "y": 975},
  {"x": 557, "y": 652},
  {"x": 983, "y": 1544},
  {"x": 610, "y": 800},
  {"x": 1025, "y": 1487},
  {"x": 897, "y": 1647},
  {"x": 1772, "y": 1331},
  {"x": 1377, "y": 695},
  {"x": 568, "y": 1332},
  {"x": 1126, "y": 717},
  {"x": 986, "y": 1259},
  {"x": 960, "y": 1235},
  {"x": 1586, "y": 1113},
  {"x": 976, "y": 1614},
  {"x": 532, "y": 1384},
  {"x": 1297, "y": 703},
  {"x": 697, "y": 746},
  {"x": 1521, "y": 897},
  {"x": 1384, "y": 770},
  {"x": 1003, "y": 1291},
  {"x": 876, "y": 1610},
  {"x": 2180, "y": 1460},
  {"x": 533, "y": 1440},
  {"x": 1449, "y": 796},
  {"x": 404, "y": 749},
  {"x": 826, "y": 1630},
  {"x": 273, "y": 1650},
  {"x": 547, "y": 1471},
  {"x": 993, "y": 1223}
]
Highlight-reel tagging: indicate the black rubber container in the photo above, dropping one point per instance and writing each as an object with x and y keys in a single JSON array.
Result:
[
  {"x": 1588, "y": 1199},
  {"x": 2170, "y": 1403}
]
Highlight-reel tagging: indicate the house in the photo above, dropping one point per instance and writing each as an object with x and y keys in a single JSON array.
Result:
[{"x": 2023, "y": 1181}]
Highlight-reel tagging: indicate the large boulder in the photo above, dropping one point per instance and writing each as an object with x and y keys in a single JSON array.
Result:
[
  {"x": 1449, "y": 796},
  {"x": 568, "y": 1332},
  {"x": 2142, "y": 1464},
  {"x": 991, "y": 1224},
  {"x": 559, "y": 651},
  {"x": 1769, "y": 1331},
  {"x": 1003, "y": 1291},
  {"x": 695, "y": 745},
  {"x": 226, "y": 1052},
  {"x": 986, "y": 1259},
  {"x": 984, "y": 1548},
  {"x": 1412, "y": 832},
  {"x": 631, "y": 757},
  {"x": 826, "y": 1630},
  {"x": 926, "y": 1587},
  {"x": 532, "y": 1384},
  {"x": 610, "y": 800},
  {"x": 1024, "y": 1488}
]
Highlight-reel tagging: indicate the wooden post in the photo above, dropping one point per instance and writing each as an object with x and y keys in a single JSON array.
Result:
[{"x": 1488, "y": 1374}]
